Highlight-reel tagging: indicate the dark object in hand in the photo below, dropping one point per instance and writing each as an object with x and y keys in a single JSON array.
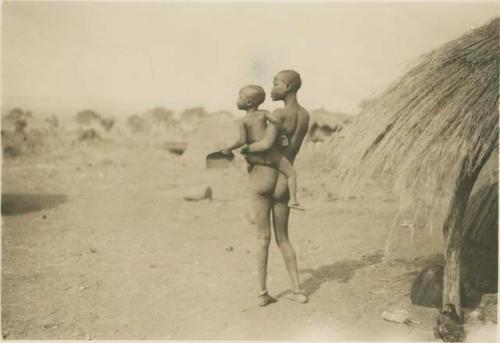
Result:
[
  {"x": 449, "y": 326},
  {"x": 218, "y": 160}
]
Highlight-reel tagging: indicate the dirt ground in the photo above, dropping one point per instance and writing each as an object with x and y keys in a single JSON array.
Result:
[{"x": 98, "y": 243}]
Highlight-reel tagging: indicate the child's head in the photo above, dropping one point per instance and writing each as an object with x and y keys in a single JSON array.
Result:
[{"x": 250, "y": 96}]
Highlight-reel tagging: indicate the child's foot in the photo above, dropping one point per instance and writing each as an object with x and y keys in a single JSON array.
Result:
[
  {"x": 265, "y": 299},
  {"x": 298, "y": 297},
  {"x": 295, "y": 205}
]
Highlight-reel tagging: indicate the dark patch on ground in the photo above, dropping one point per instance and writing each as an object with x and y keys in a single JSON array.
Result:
[
  {"x": 341, "y": 271},
  {"x": 22, "y": 203}
]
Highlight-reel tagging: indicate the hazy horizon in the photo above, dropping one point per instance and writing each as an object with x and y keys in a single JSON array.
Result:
[{"x": 127, "y": 57}]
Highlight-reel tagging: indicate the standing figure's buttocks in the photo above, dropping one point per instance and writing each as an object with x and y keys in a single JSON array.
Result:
[{"x": 263, "y": 181}]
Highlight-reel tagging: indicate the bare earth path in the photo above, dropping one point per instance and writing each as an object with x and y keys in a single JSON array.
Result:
[{"x": 100, "y": 244}]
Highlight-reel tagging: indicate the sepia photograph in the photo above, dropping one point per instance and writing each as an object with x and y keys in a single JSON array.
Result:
[{"x": 249, "y": 171}]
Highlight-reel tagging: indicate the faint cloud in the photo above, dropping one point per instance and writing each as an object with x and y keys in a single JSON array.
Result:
[{"x": 260, "y": 71}]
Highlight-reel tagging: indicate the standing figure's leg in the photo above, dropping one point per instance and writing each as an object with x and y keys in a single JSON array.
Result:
[
  {"x": 281, "y": 213},
  {"x": 262, "y": 207}
]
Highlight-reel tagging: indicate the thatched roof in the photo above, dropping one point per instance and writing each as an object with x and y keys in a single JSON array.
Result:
[{"x": 438, "y": 120}]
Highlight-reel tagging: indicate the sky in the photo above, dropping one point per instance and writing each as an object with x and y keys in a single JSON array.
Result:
[{"x": 127, "y": 57}]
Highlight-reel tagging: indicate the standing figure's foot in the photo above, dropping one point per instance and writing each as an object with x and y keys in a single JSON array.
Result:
[
  {"x": 298, "y": 297},
  {"x": 265, "y": 299},
  {"x": 295, "y": 205}
]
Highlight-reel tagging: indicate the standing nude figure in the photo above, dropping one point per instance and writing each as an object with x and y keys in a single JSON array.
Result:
[{"x": 269, "y": 188}]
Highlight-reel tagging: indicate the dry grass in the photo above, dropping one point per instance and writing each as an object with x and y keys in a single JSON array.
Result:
[{"x": 438, "y": 120}]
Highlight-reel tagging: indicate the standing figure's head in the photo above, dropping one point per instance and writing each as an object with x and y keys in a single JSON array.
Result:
[
  {"x": 250, "y": 96},
  {"x": 285, "y": 82}
]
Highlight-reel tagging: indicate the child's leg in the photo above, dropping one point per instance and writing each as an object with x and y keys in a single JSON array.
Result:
[{"x": 287, "y": 168}]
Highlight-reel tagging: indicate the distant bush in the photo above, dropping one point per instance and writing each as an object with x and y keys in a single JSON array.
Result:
[
  {"x": 12, "y": 144},
  {"x": 53, "y": 122},
  {"x": 88, "y": 134},
  {"x": 17, "y": 120},
  {"x": 17, "y": 113},
  {"x": 17, "y": 140},
  {"x": 162, "y": 115},
  {"x": 193, "y": 114},
  {"x": 138, "y": 124},
  {"x": 86, "y": 117},
  {"x": 107, "y": 123}
]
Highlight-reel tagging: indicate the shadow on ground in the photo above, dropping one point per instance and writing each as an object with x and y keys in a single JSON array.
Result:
[
  {"x": 22, "y": 203},
  {"x": 341, "y": 271}
]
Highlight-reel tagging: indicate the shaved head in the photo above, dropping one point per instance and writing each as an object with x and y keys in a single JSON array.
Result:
[
  {"x": 255, "y": 92},
  {"x": 291, "y": 77}
]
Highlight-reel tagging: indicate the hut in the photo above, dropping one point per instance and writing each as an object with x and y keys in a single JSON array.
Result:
[{"x": 435, "y": 127}]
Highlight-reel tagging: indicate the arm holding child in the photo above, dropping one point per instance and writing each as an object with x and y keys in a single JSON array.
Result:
[
  {"x": 272, "y": 132},
  {"x": 265, "y": 143}
]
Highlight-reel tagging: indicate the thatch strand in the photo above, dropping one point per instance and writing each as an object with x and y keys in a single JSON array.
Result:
[{"x": 438, "y": 120}]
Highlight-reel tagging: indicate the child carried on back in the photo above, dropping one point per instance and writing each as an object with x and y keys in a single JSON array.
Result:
[{"x": 252, "y": 129}]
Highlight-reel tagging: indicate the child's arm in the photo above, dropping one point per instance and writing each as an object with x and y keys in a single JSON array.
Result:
[
  {"x": 240, "y": 142},
  {"x": 273, "y": 118}
]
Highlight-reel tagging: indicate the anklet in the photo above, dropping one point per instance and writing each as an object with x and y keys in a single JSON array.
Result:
[{"x": 264, "y": 292}]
